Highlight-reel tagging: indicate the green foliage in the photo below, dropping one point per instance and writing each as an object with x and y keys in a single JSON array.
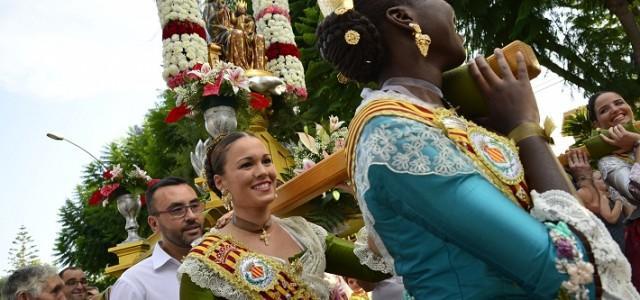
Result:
[
  {"x": 577, "y": 125},
  {"x": 23, "y": 251},
  {"x": 581, "y": 41},
  {"x": 159, "y": 148}
]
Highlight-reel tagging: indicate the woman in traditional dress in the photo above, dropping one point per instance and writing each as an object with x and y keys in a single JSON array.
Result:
[
  {"x": 445, "y": 200},
  {"x": 608, "y": 110},
  {"x": 256, "y": 255}
]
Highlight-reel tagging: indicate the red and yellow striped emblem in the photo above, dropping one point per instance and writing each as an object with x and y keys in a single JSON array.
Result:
[{"x": 226, "y": 259}]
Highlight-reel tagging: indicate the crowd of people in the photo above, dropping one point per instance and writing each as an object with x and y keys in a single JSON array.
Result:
[
  {"x": 452, "y": 209},
  {"x": 43, "y": 282}
]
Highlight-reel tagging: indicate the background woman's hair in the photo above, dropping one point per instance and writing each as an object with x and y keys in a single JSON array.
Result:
[
  {"x": 360, "y": 62},
  {"x": 217, "y": 157}
]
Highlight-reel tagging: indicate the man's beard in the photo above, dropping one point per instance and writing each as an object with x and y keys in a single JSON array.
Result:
[{"x": 179, "y": 238}]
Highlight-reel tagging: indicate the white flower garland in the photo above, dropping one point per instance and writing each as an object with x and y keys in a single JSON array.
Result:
[
  {"x": 179, "y": 10},
  {"x": 181, "y": 51},
  {"x": 276, "y": 28},
  {"x": 289, "y": 69}
]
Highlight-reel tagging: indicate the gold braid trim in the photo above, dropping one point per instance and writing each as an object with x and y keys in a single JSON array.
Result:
[
  {"x": 514, "y": 189},
  {"x": 224, "y": 256}
]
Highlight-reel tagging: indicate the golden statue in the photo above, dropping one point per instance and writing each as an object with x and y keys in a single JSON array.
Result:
[{"x": 236, "y": 31}]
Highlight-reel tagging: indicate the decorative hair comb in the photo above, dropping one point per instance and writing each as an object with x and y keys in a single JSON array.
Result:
[
  {"x": 337, "y": 6},
  {"x": 213, "y": 143}
]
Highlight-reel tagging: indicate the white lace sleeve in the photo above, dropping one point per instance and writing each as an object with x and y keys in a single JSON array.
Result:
[
  {"x": 612, "y": 266},
  {"x": 203, "y": 277},
  {"x": 366, "y": 256}
]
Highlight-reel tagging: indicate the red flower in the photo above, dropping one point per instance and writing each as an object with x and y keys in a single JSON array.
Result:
[
  {"x": 180, "y": 27},
  {"x": 107, "y": 175},
  {"x": 259, "y": 101},
  {"x": 177, "y": 113},
  {"x": 106, "y": 190},
  {"x": 176, "y": 81},
  {"x": 143, "y": 197},
  {"x": 152, "y": 182},
  {"x": 212, "y": 89},
  {"x": 280, "y": 49},
  {"x": 96, "y": 198}
]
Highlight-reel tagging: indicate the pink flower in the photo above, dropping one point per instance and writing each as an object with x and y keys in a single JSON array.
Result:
[
  {"x": 340, "y": 144},
  {"x": 236, "y": 78},
  {"x": 307, "y": 164},
  {"x": 200, "y": 73},
  {"x": 213, "y": 89}
]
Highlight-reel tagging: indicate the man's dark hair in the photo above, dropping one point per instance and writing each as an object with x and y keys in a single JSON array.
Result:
[
  {"x": 68, "y": 269},
  {"x": 167, "y": 181}
]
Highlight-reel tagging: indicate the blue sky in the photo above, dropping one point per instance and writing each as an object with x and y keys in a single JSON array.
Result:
[{"x": 88, "y": 70}]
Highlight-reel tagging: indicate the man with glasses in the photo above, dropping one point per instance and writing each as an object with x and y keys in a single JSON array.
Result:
[
  {"x": 175, "y": 212},
  {"x": 75, "y": 283}
]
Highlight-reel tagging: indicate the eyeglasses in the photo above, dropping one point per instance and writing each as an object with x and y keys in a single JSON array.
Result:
[
  {"x": 73, "y": 282},
  {"x": 181, "y": 211}
]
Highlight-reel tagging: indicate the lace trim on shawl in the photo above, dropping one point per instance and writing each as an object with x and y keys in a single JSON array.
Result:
[
  {"x": 311, "y": 236},
  {"x": 203, "y": 277},
  {"x": 613, "y": 268},
  {"x": 366, "y": 256},
  {"x": 381, "y": 148}
]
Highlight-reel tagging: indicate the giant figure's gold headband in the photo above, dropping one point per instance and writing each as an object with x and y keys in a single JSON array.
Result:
[{"x": 337, "y": 6}]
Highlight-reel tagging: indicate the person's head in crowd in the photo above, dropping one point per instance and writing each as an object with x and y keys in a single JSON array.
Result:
[
  {"x": 607, "y": 109},
  {"x": 176, "y": 213},
  {"x": 92, "y": 292},
  {"x": 385, "y": 45},
  {"x": 240, "y": 168},
  {"x": 40, "y": 282},
  {"x": 75, "y": 283}
]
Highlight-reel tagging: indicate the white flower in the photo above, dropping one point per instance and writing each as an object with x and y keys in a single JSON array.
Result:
[
  {"x": 140, "y": 173},
  {"x": 236, "y": 78},
  {"x": 105, "y": 202},
  {"x": 116, "y": 171},
  {"x": 334, "y": 123}
]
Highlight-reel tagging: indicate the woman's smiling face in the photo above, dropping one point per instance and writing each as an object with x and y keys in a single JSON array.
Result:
[
  {"x": 249, "y": 173},
  {"x": 611, "y": 110}
]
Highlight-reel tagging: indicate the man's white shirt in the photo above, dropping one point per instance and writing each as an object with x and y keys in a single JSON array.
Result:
[{"x": 154, "y": 278}]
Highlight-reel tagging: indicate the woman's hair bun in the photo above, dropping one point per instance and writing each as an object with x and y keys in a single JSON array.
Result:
[{"x": 360, "y": 61}]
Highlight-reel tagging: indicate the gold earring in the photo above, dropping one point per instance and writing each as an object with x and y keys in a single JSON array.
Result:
[
  {"x": 226, "y": 200},
  {"x": 422, "y": 40}
]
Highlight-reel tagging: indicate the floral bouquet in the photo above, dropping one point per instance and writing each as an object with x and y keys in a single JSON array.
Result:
[
  {"x": 204, "y": 86},
  {"x": 312, "y": 149},
  {"x": 116, "y": 181}
]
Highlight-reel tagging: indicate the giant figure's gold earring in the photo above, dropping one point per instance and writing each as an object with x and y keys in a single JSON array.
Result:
[
  {"x": 423, "y": 40},
  {"x": 226, "y": 200}
]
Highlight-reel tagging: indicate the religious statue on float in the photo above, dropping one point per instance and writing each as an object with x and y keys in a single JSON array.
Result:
[{"x": 231, "y": 26}]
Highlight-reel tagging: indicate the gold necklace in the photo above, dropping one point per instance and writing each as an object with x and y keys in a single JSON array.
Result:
[{"x": 249, "y": 226}]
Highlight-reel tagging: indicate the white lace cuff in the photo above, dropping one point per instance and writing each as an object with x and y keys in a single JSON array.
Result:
[
  {"x": 612, "y": 266},
  {"x": 366, "y": 256},
  {"x": 203, "y": 277}
]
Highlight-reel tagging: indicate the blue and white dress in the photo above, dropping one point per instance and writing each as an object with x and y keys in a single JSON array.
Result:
[{"x": 440, "y": 221}]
